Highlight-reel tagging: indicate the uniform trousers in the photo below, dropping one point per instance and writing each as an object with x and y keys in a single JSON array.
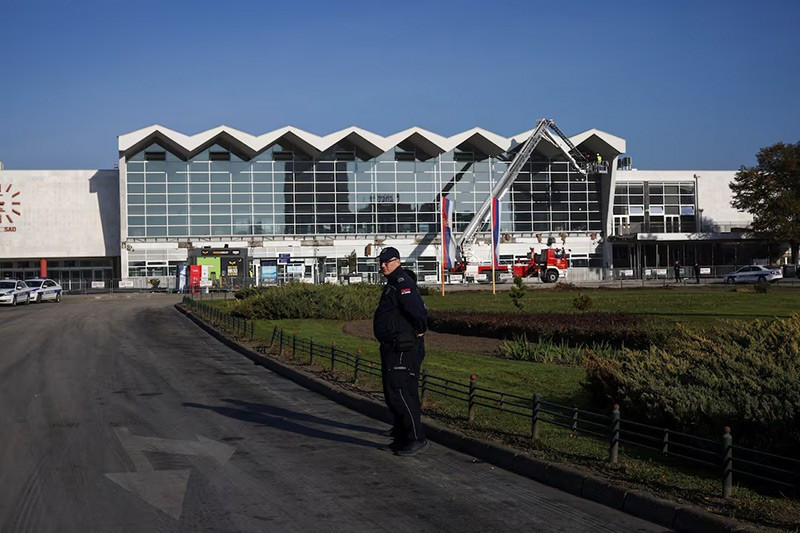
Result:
[{"x": 400, "y": 379}]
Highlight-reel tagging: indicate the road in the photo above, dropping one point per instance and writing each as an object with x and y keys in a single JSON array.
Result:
[{"x": 118, "y": 413}]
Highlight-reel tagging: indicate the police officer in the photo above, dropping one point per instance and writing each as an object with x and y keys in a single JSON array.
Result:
[{"x": 399, "y": 321}]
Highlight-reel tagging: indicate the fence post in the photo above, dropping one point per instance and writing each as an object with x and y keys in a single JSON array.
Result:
[
  {"x": 727, "y": 462},
  {"x": 333, "y": 355},
  {"x": 252, "y": 330},
  {"x": 274, "y": 332},
  {"x": 575, "y": 420},
  {"x": 294, "y": 344},
  {"x": 471, "y": 410},
  {"x": 424, "y": 392},
  {"x": 280, "y": 350},
  {"x": 665, "y": 442},
  {"x": 311, "y": 351},
  {"x": 535, "y": 416},
  {"x": 358, "y": 362},
  {"x": 613, "y": 449}
]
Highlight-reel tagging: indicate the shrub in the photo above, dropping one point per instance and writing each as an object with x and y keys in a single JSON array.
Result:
[
  {"x": 615, "y": 329},
  {"x": 517, "y": 293},
  {"x": 303, "y": 300},
  {"x": 744, "y": 377},
  {"x": 762, "y": 287},
  {"x": 583, "y": 302},
  {"x": 564, "y": 286},
  {"x": 520, "y": 348},
  {"x": 247, "y": 292}
]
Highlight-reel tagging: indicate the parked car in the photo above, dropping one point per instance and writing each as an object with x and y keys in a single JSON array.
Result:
[
  {"x": 43, "y": 290},
  {"x": 13, "y": 292},
  {"x": 754, "y": 274}
]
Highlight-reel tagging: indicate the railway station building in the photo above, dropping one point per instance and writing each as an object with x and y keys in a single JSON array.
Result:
[{"x": 291, "y": 205}]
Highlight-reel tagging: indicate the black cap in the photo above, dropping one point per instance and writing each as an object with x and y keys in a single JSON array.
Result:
[{"x": 388, "y": 254}]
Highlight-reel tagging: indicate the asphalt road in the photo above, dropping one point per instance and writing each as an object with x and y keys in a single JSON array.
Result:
[{"x": 118, "y": 413}]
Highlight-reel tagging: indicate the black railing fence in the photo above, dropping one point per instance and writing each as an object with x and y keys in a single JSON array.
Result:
[
  {"x": 239, "y": 327},
  {"x": 720, "y": 454}
]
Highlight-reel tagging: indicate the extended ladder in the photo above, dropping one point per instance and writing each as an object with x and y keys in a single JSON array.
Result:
[{"x": 511, "y": 173}]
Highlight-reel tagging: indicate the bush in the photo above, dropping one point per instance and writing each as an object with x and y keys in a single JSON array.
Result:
[
  {"x": 583, "y": 302},
  {"x": 248, "y": 292},
  {"x": 614, "y": 329},
  {"x": 565, "y": 286},
  {"x": 744, "y": 377},
  {"x": 762, "y": 287},
  {"x": 517, "y": 293},
  {"x": 520, "y": 348},
  {"x": 303, "y": 300}
]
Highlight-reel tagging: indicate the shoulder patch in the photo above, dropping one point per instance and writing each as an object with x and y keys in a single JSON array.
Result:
[
  {"x": 405, "y": 291},
  {"x": 401, "y": 278}
]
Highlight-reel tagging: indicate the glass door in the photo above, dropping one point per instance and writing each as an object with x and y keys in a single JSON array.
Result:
[
  {"x": 622, "y": 224},
  {"x": 672, "y": 223}
]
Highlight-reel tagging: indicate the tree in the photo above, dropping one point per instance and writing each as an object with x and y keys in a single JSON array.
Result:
[{"x": 770, "y": 192}]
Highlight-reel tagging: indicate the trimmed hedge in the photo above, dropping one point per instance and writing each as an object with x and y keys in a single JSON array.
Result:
[
  {"x": 303, "y": 300},
  {"x": 744, "y": 377},
  {"x": 609, "y": 329}
]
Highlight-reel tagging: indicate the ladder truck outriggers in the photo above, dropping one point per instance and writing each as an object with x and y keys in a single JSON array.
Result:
[{"x": 549, "y": 264}]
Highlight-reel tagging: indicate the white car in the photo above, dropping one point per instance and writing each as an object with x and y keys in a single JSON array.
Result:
[
  {"x": 13, "y": 292},
  {"x": 754, "y": 274},
  {"x": 43, "y": 290}
]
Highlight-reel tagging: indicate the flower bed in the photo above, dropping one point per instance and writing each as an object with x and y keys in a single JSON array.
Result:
[{"x": 611, "y": 329}]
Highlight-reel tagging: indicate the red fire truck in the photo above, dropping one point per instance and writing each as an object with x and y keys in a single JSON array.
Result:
[{"x": 549, "y": 265}]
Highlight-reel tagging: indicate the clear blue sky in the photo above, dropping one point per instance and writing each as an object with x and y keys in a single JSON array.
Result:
[{"x": 690, "y": 84}]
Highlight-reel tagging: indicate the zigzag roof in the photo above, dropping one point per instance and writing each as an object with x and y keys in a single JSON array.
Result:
[{"x": 248, "y": 146}]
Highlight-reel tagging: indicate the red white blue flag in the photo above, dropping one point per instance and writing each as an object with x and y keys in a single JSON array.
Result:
[
  {"x": 496, "y": 231},
  {"x": 449, "y": 248}
]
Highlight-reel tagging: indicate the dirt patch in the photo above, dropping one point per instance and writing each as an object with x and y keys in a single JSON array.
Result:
[{"x": 445, "y": 341}]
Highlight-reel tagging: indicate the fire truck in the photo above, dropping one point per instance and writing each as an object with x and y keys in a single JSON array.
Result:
[{"x": 549, "y": 264}]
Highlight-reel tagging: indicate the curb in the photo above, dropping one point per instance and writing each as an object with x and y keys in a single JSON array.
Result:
[{"x": 681, "y": 517}]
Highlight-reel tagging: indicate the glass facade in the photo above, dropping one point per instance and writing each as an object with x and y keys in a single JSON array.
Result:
[
  {"x": 654, "y": 207},
  {"x": 283, "y": 191}
]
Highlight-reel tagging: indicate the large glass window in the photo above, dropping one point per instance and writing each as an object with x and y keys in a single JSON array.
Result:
[
  {"x": 287, "y": 192},
  {"x": 666, "y": 208}
]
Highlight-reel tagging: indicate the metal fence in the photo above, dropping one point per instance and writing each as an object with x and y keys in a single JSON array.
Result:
[
  {"x": 114, "y": 285},
  {"x": 718, "y": 455},
  {"x": 239, "y": 327}
]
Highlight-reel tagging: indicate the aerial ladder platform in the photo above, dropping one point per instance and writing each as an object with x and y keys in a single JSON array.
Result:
[{"x": 545, "y": 128}]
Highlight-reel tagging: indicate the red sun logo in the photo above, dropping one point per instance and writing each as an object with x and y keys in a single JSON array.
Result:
[{"x": 9, "y": 203}]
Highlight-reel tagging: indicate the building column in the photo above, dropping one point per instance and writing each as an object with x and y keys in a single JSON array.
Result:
[
  {"x": 43, "y": 268},
  {"x": 607, "y": 200}
]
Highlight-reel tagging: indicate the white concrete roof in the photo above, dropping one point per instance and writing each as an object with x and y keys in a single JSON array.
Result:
[{"x": 371, "y": 143}]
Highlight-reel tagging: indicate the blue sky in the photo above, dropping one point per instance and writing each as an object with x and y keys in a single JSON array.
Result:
[{"x": 689, "y": 84}]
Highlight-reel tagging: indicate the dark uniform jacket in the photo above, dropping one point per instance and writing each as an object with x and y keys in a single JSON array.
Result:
[{"x": 401, "y": 314}]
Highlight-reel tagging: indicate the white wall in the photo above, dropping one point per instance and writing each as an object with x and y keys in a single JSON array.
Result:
[{"x": 63, "y": 213}]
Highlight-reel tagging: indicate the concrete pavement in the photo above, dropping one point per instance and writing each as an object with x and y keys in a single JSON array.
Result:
[{"x": 121, "y": 414}]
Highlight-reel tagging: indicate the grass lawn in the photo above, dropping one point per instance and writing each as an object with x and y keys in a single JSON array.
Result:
[{"x": 694, "y": 306}]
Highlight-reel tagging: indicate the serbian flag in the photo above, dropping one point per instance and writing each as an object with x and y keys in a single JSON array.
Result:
[
  {"x": 449, "y": 248},
  {"x": 495, "y": 231}
]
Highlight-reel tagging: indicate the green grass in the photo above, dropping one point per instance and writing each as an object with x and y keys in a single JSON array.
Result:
[
  {"x": 701, "y": 307},
  {"x": 557, "y": 383}
]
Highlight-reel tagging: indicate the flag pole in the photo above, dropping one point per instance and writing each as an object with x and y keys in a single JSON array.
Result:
[
  {"x": 494, "y": 244},
  {"x": 444, "y": 245}
]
